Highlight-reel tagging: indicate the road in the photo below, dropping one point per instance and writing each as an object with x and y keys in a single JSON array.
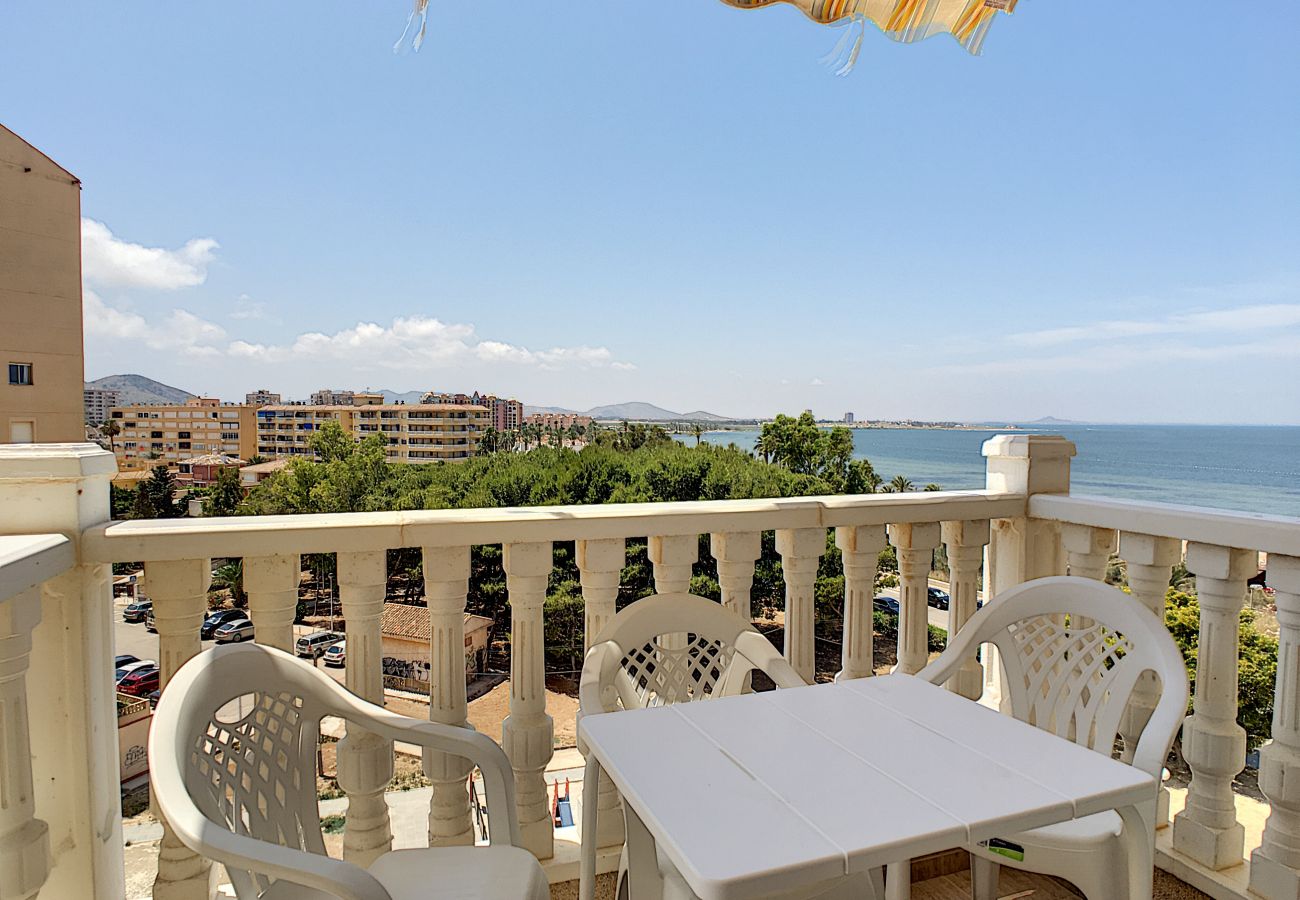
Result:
[{"x": 938, "y": 617}]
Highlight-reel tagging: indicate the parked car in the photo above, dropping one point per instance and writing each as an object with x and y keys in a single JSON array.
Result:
[
  {"x": 233, "y": 632},
  {"x": 127, "y": 668},
  {"x": 886, "y": 604},
  {"x": 123, "y": 658},
  {"x": 216, "y": 619},
  {"x": 937, "y": 598},
  {"x": 153, "y": 698},
  {"x": 314, "y": 645},
  {"x": 140, "y": 682},
  {"x": 149, "y": 623},
  {"x": 337, "y": 655},
  {"x": 137, "y": 610}
]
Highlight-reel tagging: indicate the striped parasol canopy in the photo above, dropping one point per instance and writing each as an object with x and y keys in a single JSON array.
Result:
[{"x": 901, "y": 20}]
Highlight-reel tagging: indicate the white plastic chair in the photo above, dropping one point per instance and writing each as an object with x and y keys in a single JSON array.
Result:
[
  {"x": 1072, "y": 650},
  {"x": 664, "y": 649},
  {"x": 233, "y": 768}
]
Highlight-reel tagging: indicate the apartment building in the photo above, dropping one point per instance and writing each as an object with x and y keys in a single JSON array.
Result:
[
  {"x": 98, "y": 402},
  {"x": 262, "y": 397},
  {"x": 40, "y": 296},
  {"x": 558, "y": 420},
  {"x": 503, "y": 414},
  {"x": 168, "y": 433},
  {"x": 327, "y": 397},
  {"x": 417, "y": 433}
]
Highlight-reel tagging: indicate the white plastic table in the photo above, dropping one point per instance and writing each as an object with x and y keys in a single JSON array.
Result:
[{"x": 773, "y": 792}]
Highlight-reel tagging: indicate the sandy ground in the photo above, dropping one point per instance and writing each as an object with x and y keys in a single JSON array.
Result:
[{"x": 488, "y": 712}]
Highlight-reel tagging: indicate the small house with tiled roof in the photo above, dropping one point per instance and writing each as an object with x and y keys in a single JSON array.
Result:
[{"x": 408, "y": 638}]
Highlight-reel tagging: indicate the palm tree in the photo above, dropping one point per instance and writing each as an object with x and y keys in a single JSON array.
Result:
[
  {"x": 932, "y": 487},
  {"x": 110, "y": 429},
  {"x": 900, "y": 484},
  {"x": 698, "y": 430}
]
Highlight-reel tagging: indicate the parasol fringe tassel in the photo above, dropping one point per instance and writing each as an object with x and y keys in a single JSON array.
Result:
[
  {"x": 422, "y": 10},
  {"x": 857, "y": 48},
  {"x": 842, "y": 58},
  {"x": 837, "y": 51}
]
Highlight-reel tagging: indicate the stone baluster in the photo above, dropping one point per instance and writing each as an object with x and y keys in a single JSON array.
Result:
[
  {"x": 673, "y": 556},
  {"x": 1275, "y": 865},
  {"x": 64, "y": 489},
  {"x": 179, "y": 590},
  {"x": 272, "y": 586},
  {"x": 736, "y": 553},
  {"x": 24, "y": 839},
  {"x": 446, "y": 584},
  {"x": 860, "y": 547},
  {"x": 965, "y": 541},
  {"x": 365, "y": 760},
  {"x": 801, "y": 550},
  {"x": 527, "y": 735},
  {"x": 915, "y": 544},
  {"x": 1214, "y": 745},
  {"x": 1087, "y": 550},
  {"x": 1150, "y": 560},
  {"x": 600, "y": 567}
]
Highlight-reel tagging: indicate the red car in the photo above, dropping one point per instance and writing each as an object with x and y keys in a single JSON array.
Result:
[{"x": 140, "y": 682}]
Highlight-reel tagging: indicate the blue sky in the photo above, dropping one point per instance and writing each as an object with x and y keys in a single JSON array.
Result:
[{"x": 579, "y": 203}]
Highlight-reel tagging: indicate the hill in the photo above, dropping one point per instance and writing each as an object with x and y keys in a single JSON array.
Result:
[
  {"x": 395, "y": 397},
  {"x": 133, "y": 389},
  {"x": 636, "y": 410}
]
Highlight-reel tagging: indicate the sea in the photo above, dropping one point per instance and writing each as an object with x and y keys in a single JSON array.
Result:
[{"x": 1247, "y": 468}]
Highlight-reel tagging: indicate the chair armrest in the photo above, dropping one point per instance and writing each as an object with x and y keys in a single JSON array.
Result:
[
  {"x": 465, "y": 742},
  {"x": 335, "y": 877}
]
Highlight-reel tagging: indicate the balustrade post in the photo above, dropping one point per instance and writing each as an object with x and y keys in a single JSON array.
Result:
[
  {"x": 965, "y": 541},
  {"x": 446, "y": 584},
  {"x": 860, "y": 547},
  {"x": 24, "y": 839},
  {"x": 736, "y": 553},
  {"x": 801, "y": 550},
  {"x": 1214, "y": 745},
  {"x": 600, "y": 567},
  {"x": 1275, "y": 865},
  {"x": 915, "y": 544},
  {"x": 1087, "y": 550},
  {"x": 272, "y": 586},
  {"x": 673, "y": 555},
  {"x": 179, "y": 590},
  {"x": 1150, "y": 561},
  {"x": 527, "y": 735},
  {"x": 1021, "y": 549},
  {"x": 365, "y": 760},
  {"x": 64, "y": 489}
]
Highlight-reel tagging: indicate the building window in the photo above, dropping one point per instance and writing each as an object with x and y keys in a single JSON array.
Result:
[{"x": 20, "y": 373}]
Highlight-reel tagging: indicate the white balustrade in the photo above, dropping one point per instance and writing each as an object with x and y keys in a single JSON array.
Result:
[
  {"x": 673, "y": 557},
  {"x": 179, "y": 590},
  {"x": 965, "y": 542},
  {"x": 915, "y": 545},
  {"x": 801, "y": 550},
  {"x": 736, "y": 552},
  {"x": 859, "y": 547},
  {"x": 1087, "y": 550},
  {"x": 364, "y": 760},
  {"x": 527, "y": 735},
  {"x": 272, "y": 585},
  {"x": 600, "y": 567},
  {"x": 1275, "y": 865},
  {"x": 446, "y": 585},
  {"x": 1214, "y": 745}
]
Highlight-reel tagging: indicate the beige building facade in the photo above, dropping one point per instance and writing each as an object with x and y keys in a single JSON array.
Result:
[
  {"x": 168, "y": 433},
  {"x": 40, "y": 296},
  {"x": 417, "y": 433}
]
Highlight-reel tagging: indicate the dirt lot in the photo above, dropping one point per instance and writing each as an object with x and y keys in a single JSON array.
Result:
[{"x": 488, "y": 712}]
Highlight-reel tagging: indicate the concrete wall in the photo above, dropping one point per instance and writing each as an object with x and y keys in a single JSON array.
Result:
[{"x": 40, "y": 293}]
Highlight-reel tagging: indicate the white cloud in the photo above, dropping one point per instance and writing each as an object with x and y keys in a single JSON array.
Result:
[
  {"x": 419, "y": 342},
  {"x": 179, "y": 331},
  {"x": 1259, "y": 318},
  {"x": 1113, "y": 358},
  {"x": 248, "y": 308},
  {"x": 108, "y": 261},
  {"x": 816, "y": 382}
]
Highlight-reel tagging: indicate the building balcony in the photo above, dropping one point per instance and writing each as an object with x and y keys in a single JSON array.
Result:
[{"x": 60, "y": 820}]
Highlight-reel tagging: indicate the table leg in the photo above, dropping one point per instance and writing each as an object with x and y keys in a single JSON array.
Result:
[
  {"x": 590, "y": 809},
  {"x": 1137, "y": 845},
  {"x": 643, "y": 877},
  {"x": 898, "y": 880}
]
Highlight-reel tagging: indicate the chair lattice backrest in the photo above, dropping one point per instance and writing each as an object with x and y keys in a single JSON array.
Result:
[
  {"x": 676, "y": 648},
  {"x": 1073, "y": 650}
]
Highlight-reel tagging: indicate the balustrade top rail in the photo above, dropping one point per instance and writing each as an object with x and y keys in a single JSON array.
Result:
[
  {"x": 173, "y": 539},
  {"x": 1224, "y": 528},
  {"x": 26, "y": 560}
]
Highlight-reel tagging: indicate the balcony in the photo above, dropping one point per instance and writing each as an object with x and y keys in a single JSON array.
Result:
[{"x": 62, "y": 835}]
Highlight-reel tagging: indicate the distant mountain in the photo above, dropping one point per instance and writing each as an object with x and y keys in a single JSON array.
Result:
[
  {"x": 551, "y": 410},
  {"x": 701, "y": 416},
  {"x": 395, "y": 397},
  {"x": 1052, "y": 420},
  {"x": 635, "y": 411},
  {"x": 133, "y": 389}
]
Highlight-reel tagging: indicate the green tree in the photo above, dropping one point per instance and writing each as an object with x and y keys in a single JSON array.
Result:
[
  {"x": 155, "y": 498},
  {"x": 226, "y": 494},
  {"x": 698, "y": 430},
  {"x": 932, "y": 487},
  {"x": 230, "y": 576},
  {"x": 110, "y": 428},
  {"x": 899, "y": 484},
  {"x": 331, "y": 443}
]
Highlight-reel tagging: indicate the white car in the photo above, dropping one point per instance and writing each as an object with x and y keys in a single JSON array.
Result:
[
  {"x": 233, "y": 632},
  {"x": 337, "y": 655},
  {"x": 127, "y": 668}
]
